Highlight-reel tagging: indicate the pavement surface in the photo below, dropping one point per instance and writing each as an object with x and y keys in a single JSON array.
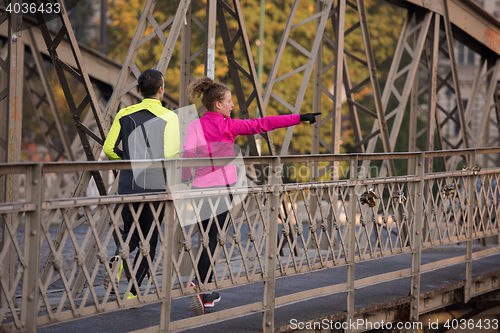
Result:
[{"x": 149, "y": 315}]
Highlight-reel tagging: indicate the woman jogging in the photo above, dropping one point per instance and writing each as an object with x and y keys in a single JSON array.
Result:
[{"x": 213, "y": 135}]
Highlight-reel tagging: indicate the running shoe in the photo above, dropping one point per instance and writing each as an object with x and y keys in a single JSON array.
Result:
[
  {"x": 113, "y": 263},
  {"x": 209, "y": 300}
]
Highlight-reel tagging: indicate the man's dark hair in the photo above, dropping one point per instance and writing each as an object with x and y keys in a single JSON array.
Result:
[{"x": 149, "y": 82}]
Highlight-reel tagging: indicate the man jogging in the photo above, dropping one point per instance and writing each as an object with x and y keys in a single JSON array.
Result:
[{"x": 147, "y": 131}]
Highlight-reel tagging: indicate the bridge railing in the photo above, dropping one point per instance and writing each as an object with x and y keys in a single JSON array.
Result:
[{"x": 54, "y": 254}]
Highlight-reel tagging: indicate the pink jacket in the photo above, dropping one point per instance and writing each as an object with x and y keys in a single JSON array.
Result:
[{"x": 213, "y": 136}]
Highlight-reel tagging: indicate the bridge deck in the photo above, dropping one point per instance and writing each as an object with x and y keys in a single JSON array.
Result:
[{"x": 388, "y": 296}]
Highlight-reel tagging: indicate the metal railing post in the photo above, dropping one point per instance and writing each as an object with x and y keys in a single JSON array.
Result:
[
  {"x": 32, "y": 248},
  {"x": 470, "y": 217},
  {"x": 351, "y": 247},
  {"x": 271, "y": 245},
  {"x": 166, "y": 280},
  {"x": 416, "y": 244},
  {"x": 168, "y": 248}
]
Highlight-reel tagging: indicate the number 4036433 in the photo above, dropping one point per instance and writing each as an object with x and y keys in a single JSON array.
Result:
[
  {"x": 471, "y": 324},
  {"x": 33, "y": 8}
]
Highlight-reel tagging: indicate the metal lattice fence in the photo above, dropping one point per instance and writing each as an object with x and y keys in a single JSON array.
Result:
[{"x": 55, "y": 252}]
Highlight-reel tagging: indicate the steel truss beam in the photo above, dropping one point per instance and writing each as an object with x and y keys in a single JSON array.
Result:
[
  {"x": 240, "y": 74},
  {"x": 11, "y": 99},
  {"x": 43, "y": 102},
  {"x": 305, "y": 70},
  {"x": 458, "y": 104},
  {"x": 342, "y": 76},
  {"x": 79, "y": 73},
  {"x": 393, "y": 88},
  {"x": 427, "y": 86},
  {"x": 412, "y": 39},
  {"x": 454, "y": 72},
  {"x": 495, "y": 141},
  {"x": 429, "y": 65},
  {"x": 446, "y": 110},
  {"x": 461, "y": 20},
  {"x": 130, "y": 72},
  {"x": 488, "y": 118},
  {"x": 11, "y": 115},
  {"x": 99, "y": 67},
  {"x": 320, "y": 88}
]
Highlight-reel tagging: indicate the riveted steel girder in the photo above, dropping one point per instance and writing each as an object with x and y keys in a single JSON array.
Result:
[
  {"x": 392, "y": 89},
  {"x": 87, "y": 136},
  {"x": 11, "y": 113},
  {"x": 304, "y": 70},
  {"x": 239, "y": 72},
  {"x": 52, "y": 125}
]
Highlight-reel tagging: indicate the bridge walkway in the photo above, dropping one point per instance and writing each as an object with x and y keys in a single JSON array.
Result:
[{"x": 389, "y": 297}]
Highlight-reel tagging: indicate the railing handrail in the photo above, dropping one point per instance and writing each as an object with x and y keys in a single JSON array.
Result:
[{"x": 69, "y": 166}]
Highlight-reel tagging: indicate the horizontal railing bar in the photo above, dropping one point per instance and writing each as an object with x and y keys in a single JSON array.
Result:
[
  {"x": 310, "y": 294},
  {"x": 160, "y": 196},
  {"x": 211, "y": 318},
  {"x": 367, "y": 256},
  {"x": 449, "y": 241},
  {"x": 89, "y": 311},
  {"x": 487, "y": 171},
  {"x": 17, "y": 207},
  {"x": 347, "y": 157},
  {"x": 107, "y": 200},
  {"x": 445, "y": 153},
  {"x": 485, "y": 253},
  {"x": 51, "y": 167},
  {"x": 487, "y": 150},
  {"x": 382, "y": 278},
  {"x": 426, "y": 268},
  {"x": 481, "y": 234},
  {"x": 215, "y": 317},
  {"x": 15, "y": 168},
  {"x": 437, "y": 175}
]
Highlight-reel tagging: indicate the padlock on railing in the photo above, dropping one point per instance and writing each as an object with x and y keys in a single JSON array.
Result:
[
  {"x": 400, "y": 195},
  {"x": 368, "y": 198},
  {"x": 475, "y": 169},
  {"x": 449, "y": 190}
]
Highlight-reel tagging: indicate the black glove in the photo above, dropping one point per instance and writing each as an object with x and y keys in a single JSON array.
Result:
[{"x": 311, "y": 117}]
